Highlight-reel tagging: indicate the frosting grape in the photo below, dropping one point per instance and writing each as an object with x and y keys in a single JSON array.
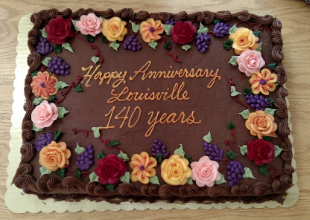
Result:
[
  {"x": 58, "y": 66},
  {"x": 86, "y": 159}
]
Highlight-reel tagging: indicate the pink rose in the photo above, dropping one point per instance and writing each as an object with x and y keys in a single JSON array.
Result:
[
  {"x": 44, "y": 114},
  {"x": 89, "y": 24},
  {"x": 205, "y": 172},
  {"x": 250, "y": 61}
]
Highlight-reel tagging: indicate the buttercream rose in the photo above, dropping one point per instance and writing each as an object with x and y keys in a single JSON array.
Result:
[
  {"x": 89, "y": 24},
  {"x": 110, "y": 169},
  {"x": 205, "y": 172},
  {"x": 114, "y": 29},
  {"x": 59, "y": 29},
  {"x": 261, "y": 124},
  {"x": 44, "y": 114},
  {"x": 55, "y": 156},
  {"x": 261, "y": 151},
  {"x": 243, "y": 39},
  {"x": 183, "y": 32},
  {"x": 175, "y": 170},
  {"x": 250, "y": 61}
]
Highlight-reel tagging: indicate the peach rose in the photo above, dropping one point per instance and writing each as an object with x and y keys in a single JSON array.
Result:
[
  {"x": 89, "y": 24},
  {"x": 175, "y": 170},
  {"x": 261, "y": 124},
  {"x": 55, "y": 156},
  {"x": 243, "y": 39},
  {"x": 114, "y": 29},
  {"x": 44, "y": 114},
  {"x": 250, "y": 61},
  {"x": 205, "y": 172}
]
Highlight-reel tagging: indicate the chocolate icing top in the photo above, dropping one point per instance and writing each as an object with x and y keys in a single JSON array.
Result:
[{"x": 46, "y": 187}]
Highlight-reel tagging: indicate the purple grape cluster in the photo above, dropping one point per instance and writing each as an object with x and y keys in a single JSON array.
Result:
[
  {"x": 43, "y": 47},
  {"x": 212, "y": 151},
  {"x": 44, "y": 140},
  {"x": 171, "y": 21},
  {"x": 257, "y": 102},
  {"x": 159, "y": 148},
  {"x": 202, "y": 42},
  {"x": 86, "y": 159},
  {"x": 131, "y": 43},
  {"x": 221, "y": 29},
  {"x": 235, "y": 172},
  {"x": 59, "y": 66}
]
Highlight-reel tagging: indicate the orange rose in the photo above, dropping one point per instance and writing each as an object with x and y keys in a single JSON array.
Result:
[
  {"x": 55, "y": 156},
  {"x": 114, "y": 29},
  {"x": 175, "y": 170},
  {"x": 261, "y": 124},
  {"x": 243, "y": 39}
]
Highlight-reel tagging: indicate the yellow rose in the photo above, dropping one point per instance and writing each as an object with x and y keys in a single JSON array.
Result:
[
  {"x": 55, "y": 156},
  {"x": 175, "y": 170},
  {"x": 114, "y": 29},
  {"x": 243, "y": 39}
]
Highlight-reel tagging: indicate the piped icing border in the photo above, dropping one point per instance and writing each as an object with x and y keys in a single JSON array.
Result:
[{"x": 44, "y": 185}]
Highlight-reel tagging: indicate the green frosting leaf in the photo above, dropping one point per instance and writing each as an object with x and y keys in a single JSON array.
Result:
[
  {"x": 153, "y": 44},
  {"x": 67, "y": 46},
  {"x": 263, "y": 170},
  {"x": 227, "y": 44},
  {"x": 44, "y": 171},
  {"x": 222, "y": 180},
  {"x": 159, "y": 158},
  {"x": 61, "y": 172},
  {"x": 123, "y": 156},
  {"x": 100, "y": 155},
  {"x": 207, "y": 138},
  {"x": 215, "y": 21},
  {"x": 79, "y": 149},
  {"x": 114, "y": 143},
  {"x": 45, "y": 61},
  {"x": 230, "y": 125},
  {"x": 60, "y": 85},
  {"x": 61, "y": 112},
  {"x": 232, "y": 29},
  {"x": 247, "y": 173},
  {"x": 44, "y": 34},
  {"x": 74, "y": 24},
  {"x": 202, "y": 29},
  {"x": 272, "y": 65},
  {"x": 167, "y": 45},
  {"x": 34, "y": 73},
  {"x": 189, "y": 158},
  {"x": 270, "y": 111},
  {"x": 186, "y": 47},
  {"x": 168, "y": 28},
  {"x": 180, "y": 151},
  {"x": 233, "y": 60},
  {"x": 247, "y": 91},
  {"x": 93, "y": 177},
  {"x": 231, "y": 155},
  {"x": 51, "y": 98},
  {"x": 56, "y": 135},
  {"x": 95, "y": 59},
  {"x": 125, "y": 178},
  {"x": 114, "y": 45},
  {"x": 154, "y": 180},
  {"x": 34, "y": 128},
  {"x": 245, "y": 113},
  {"x": 243, "y": 149},
  {"x": 90, "y": 38},
  {"x": 256, "y": 33},
  {"x": 37, "y": 101},
  {"x": 78, "y": 173},
  {"x": 96, "y": 131},
  {"x": 267, "y": 138},
  {"x": 233, "y": 91},
  {"x": 102, "y": 18},
  {"x": 277, "y": 151},
  {"x": 259, "y": 48},
  {"x": 78, "y": 88},
  {"x": 135, "y": 27},
  {"x": 189, "y": 181},
  {"x": 104, "y": 39},
  {"x": 58, "y": 48},
  {"x": 271, "y": 101},
  {"x": 110, "y": 187}
]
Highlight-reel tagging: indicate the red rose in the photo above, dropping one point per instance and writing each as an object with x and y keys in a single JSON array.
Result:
[
  {"x": 261, "y": 151},
  {"x": 183, "y": 32},
  {"x": 110, "y": 169},
  {"x": 58, "y": 29}
]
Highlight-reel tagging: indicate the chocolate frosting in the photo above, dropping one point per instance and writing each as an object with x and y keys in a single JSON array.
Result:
[{"x": 76, "y": 189}]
